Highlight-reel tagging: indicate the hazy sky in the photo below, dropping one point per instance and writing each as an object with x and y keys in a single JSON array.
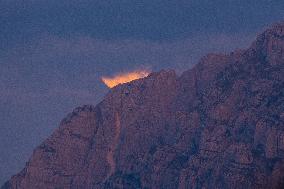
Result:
[{"x": 54, "y": 52}]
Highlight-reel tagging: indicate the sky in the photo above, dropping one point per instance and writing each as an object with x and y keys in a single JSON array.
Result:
[{"x": 54, "y": 53}]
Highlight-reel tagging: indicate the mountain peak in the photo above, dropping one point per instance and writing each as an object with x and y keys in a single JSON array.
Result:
[
  {"x": 270, "y": 44},
  {"x": 219, "y": 125}
]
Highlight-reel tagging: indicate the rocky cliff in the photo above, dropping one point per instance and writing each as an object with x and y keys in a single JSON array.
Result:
[{"x": 218, "y": 125}]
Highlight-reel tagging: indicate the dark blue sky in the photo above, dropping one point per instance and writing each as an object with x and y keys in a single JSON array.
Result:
[{"x": 53, "y": 53}]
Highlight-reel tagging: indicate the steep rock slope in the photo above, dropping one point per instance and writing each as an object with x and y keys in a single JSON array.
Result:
[{"x": 218, "y": 125}]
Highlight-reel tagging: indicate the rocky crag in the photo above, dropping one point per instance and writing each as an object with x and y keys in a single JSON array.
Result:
[{"x": 218, "y": 125}]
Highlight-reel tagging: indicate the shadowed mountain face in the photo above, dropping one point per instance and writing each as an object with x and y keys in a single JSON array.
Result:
[{"x": 218, "y": 125}]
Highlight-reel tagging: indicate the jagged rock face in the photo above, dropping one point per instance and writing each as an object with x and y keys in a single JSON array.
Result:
[{"x": 218, "y": 125}]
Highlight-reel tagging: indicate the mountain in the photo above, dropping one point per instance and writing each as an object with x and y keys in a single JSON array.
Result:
[{"x": 218, "y": 125}]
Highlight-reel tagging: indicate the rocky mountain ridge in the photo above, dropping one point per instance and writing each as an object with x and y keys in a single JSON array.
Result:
[{"x": 218, "y": 125}]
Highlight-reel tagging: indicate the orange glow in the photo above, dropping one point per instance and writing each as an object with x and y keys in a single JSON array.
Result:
[{"x": 124, "y": 78}]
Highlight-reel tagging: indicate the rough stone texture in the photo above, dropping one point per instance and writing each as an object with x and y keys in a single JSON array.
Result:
[{"x": 218, "y": 125}]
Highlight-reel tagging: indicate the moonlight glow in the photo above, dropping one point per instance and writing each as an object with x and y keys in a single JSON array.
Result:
[{"x": 124, "y": 78}]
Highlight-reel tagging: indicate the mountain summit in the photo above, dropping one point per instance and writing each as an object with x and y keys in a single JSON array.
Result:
[{"x": 218, "y": 125}]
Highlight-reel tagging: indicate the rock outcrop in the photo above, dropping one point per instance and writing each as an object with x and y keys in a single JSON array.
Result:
[{"x": 218, "y": 125}]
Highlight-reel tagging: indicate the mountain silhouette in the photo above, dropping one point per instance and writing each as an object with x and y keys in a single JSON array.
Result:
[{"x": 217, "y": 125}]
